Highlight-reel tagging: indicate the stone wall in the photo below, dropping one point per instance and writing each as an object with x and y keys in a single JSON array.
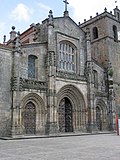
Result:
[
  {"x": 39, "y": 50},
  {"x": 105, "y": 49},
  {"x": 5, "y": 94},
  {"x": 81, "y": 86},
  {"x": 67, "y": 30}
]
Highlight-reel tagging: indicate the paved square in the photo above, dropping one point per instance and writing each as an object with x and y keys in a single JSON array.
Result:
[{"x": 89, "y": 147}]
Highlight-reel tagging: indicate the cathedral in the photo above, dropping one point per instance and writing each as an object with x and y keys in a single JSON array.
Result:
[{"x": 60, "y": 77}]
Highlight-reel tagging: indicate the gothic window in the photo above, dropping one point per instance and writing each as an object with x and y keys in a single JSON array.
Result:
[
  {"x": 118, "y": 15},
  {"x": 67, "y": 57},
  {"x": 95, "y": 33},
  {"x": 32, "y": 66},
  {"x": 95, "y": 76},
  {"x": 115, "y": 36}
]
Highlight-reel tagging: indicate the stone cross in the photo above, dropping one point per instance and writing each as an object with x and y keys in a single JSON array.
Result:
[{"x": 66, "y": 3}]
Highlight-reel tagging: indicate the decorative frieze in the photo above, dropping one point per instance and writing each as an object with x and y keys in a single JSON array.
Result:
[
  {"x": 28, "y": 84},
  {"x": 51, "y": 58},
  {"x": 13, "y": 83},
  {"x": 72, "y": 76},
  {"x": 101, "y": 94}
]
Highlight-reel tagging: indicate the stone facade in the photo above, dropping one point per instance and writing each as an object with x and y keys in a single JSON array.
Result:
[
  {"x": 5, "y": 94},
  {"x": 59, "y": 77}
]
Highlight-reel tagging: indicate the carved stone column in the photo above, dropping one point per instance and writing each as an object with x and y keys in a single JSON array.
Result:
[
  {"x": 51, "y": 126},
  {"x": 90, "y": 87},
  {"x": 15, "y": 86},
  {"x": 111, "y": 100}
]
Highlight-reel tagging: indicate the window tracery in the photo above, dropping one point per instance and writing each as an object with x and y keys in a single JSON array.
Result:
[{"x": 67, "y": 57}]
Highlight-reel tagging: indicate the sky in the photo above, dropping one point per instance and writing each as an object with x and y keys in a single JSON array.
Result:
[{"x": 22, "y": 13}]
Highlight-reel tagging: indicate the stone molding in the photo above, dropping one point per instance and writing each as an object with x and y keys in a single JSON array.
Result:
[
  {"x": 72, "y": 76},
  {"x": 28, "y": 84}
]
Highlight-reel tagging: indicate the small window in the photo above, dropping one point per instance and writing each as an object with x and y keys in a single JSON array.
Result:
[
  {"x": 115, "y": 35},
  {"x": 95, "y": 33},
  {"x": 95, "y": 74},
  {"x": 118, "y": 15},
  {"x": 32, "y": 66}
]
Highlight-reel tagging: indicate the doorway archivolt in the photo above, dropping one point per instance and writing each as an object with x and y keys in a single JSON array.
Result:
[
  {"x": 33, "y": 114},
  {"x": 101, "y": 115},
  {"x": 71, "y": 110}
]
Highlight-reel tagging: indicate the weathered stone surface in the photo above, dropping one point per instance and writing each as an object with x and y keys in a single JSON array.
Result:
[
  {"x": 67, "y": 82},
  {"x": 5, "y": 94}
]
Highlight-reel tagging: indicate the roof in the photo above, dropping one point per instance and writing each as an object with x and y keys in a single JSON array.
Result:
[{"x": 5, "y": 46}]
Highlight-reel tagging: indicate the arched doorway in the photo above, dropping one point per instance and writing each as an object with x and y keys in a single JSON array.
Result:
[
  {"x": 98, "y": 118},
  {"x": 65, "y": 116},
  {"x": 30, "y": 118},
  {"x": 71, "y": 109},
  {"x": 33, "y": 115},
  {"x": 101, "y": 115}
]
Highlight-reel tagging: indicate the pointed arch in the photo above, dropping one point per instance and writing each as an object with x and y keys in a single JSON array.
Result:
[
  {"x": 72, "y": 97},
  {"x": 115, "y": 35},
  {"x": 101, "y": 115},
  {"x": 33, "y": 103},
  {"x": 95, "y": 33}
]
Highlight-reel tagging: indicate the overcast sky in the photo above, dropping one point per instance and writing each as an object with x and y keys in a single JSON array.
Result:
[{"x": 22, "y": 13}]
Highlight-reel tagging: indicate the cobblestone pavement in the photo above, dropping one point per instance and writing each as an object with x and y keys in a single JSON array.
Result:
[{"x": 89, "y": 147}]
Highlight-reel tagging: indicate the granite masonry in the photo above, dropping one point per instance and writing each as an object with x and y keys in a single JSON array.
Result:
[{"x": 59, "y": 76}]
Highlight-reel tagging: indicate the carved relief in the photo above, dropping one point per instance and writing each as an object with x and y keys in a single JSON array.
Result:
[
  {"x": 27, "y": 84},
  {"x": 51, "y": 58},
  {"x": 68, "y": 75}
]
